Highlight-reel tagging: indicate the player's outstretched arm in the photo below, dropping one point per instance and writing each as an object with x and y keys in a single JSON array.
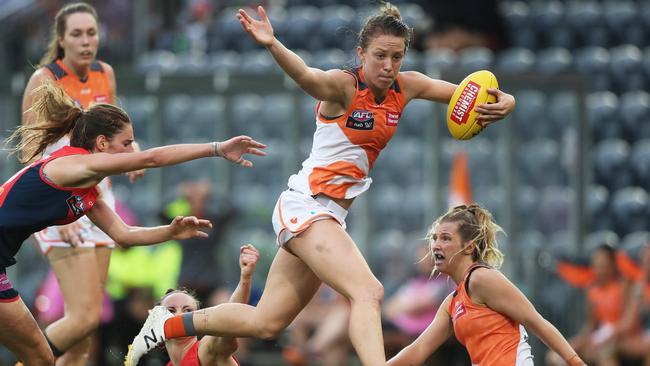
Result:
[
  {"x": 219, "y": 350},
  {"x": 181, "y": 227},
  {"x": 88, "y": 169},
  {"x": 322, "y": 85}
]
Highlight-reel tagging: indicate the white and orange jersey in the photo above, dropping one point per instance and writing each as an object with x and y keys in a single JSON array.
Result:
[
  {"x": 345, "y": 147},
  {"x": 490, "y": 337}
]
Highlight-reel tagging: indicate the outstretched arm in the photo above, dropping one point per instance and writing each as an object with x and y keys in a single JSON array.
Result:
[
  {"x": 492, "y": 288},
  {"x": 219, "y": 350},
  {"x": 420, "y": 86},
  {"x": 182, "y": 227},
  {"x": 428, "y": 342},
  {"x": 331, "y": 86},
  {"x": 87, "y": 170}
]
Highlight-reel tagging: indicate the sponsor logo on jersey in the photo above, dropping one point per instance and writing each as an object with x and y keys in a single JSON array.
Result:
[
  {"x": 392, "y": 118},
  {"x": 361, "y": 119},
  {"x": 465, "y": 103},
  {"x": 101, "y": 99},
  {"x": 459, "y": 310},
  {"x": 76, "y": 204}
]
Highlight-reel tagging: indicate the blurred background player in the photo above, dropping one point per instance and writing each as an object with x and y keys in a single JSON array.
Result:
[
  {"x": 488, "y": 314},
  {"x": 79, "y": 247},
  {"x": 209, "y": 351},
  {"x": 358, "y": 113},
  {"x": 605, "y": 301}
]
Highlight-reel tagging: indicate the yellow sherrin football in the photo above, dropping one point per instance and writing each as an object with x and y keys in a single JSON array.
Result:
[{"x": 472, "y": 91}]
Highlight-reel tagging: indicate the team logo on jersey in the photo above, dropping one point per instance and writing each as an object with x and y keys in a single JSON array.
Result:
[
  {"x": 361, "y": 119},
  {"x": 459, "y": 310},
  {"x": 101, "y": 99},
  {"x": 392, "y": 118},
  {"x": 76, "y": 204}
]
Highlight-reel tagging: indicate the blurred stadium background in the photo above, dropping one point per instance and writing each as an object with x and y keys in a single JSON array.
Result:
[{"x": 568, "y": 170}]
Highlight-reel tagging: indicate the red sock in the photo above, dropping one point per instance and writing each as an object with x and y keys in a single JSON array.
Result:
[
  {"x": 180, "y": 326},
  {"x": 174, "y": 327}
]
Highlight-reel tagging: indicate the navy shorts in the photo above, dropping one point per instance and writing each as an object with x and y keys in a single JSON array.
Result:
[{"x": 7, "y": 291}]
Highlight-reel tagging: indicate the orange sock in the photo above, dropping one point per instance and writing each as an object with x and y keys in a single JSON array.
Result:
[{"x": 179, "y": 326}]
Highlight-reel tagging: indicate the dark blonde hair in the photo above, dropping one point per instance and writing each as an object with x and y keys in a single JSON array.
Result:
[
  {"x": 389, "y": 22},
  {"x": 475, "y": 224},
  {"x": 181, "y": 290},
  {"x": 56, "y": 114},
  {"x": 54, "y": 50}
]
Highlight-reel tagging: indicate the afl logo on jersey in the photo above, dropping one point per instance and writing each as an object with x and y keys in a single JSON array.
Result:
[
  {"x": 361, "y": 119},
  {"x": 76, "y": 204}
]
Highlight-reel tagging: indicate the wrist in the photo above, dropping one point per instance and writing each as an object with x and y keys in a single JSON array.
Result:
[
  {"x": 217, "y": 148},
  {"x": 245, "y": 279}
]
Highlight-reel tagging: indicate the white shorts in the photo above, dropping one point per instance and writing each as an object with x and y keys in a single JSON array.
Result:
[
  {"x": 49, "y": 238},
  {"x": 295, "y": 212}
]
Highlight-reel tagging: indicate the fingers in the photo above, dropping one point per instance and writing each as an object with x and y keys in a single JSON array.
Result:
[
  {"x": 253, "y": 143},
  {"x": 243, "y": 15},
  {"x": 262, "y": 13},
  {"x": 256, "y": 152}
]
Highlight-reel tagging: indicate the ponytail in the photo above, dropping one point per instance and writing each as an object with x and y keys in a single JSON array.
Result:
[
  {"x": 55, "y": 114},
  {"x": 475, "y": 225}
]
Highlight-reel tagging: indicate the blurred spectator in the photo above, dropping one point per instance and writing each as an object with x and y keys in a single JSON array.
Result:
[
  {"x": 459, "y": 24},
  {"x": 596, "y": 342},
  {"x": 200, "y": 254},
  {"x": 320, "y": 331},
  {"x": 635, "y": 342},
  {"x": 414, "y": 305}
]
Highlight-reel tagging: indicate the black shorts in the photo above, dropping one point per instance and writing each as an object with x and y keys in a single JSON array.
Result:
[{"x": 7, "y": 291}]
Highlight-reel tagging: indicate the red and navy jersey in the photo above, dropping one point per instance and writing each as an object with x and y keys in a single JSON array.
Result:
[
  {"x": 191, "y": 358},
  {"x": 30, "y": 202}
]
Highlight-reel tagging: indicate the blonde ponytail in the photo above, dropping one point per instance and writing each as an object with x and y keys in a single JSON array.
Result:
[{"x": 475, "y": 225}]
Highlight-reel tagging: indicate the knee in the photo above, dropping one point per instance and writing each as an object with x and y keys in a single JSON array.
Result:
[
  {"x": 87, "y": 321},
  {"x": 371, "y": 293},
  {"x": 269, "y": 330}
]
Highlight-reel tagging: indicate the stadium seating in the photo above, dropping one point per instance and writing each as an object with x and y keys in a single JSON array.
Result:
[
  {"x": 526, "y": 202},
  {"x": 611, "y": 166},
  {"x": 640, "y": 162},
  {"x": 439, "y": 60},
  {"x": 630, "y": 210},
  {"x": 476, "y": 58},
  {"x": 603, "y": 116},
  {"x": 554, "y": 209},
  {"x": 337, "y": 27},
  {"x": 554, "y": 60},
  {"x": 594, "y": 61},
  {"x": 635, "y": 115},
  {"x": 597, "y": 207},
  {"x": 516, "y": 60},
  {"x": 598, "y": 238},
  {"x": 625, "y": 68},
  {"x": 632, "y": 242},
  {"x": 537, "y": 163}
]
